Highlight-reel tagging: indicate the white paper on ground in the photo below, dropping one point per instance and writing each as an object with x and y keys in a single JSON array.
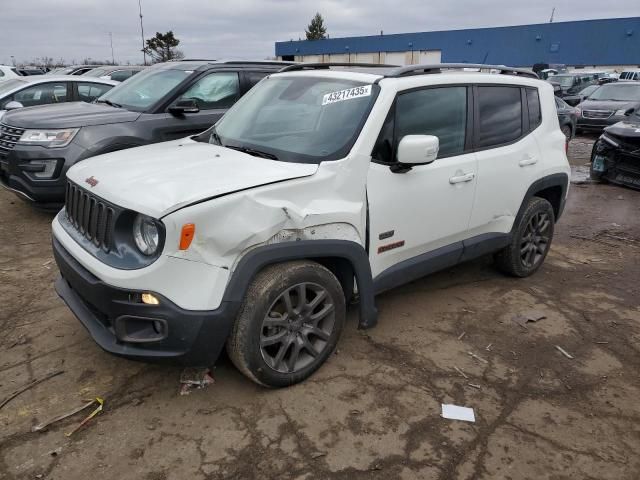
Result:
[{"x": 454, "y": 412}]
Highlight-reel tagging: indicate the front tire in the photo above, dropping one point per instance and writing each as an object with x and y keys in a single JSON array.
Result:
[
  {"x": 289, "y": 323},
  {"x": 531, "y": 240}
]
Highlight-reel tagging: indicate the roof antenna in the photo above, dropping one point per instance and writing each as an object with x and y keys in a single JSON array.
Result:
[{"x": 552, "y": 13}]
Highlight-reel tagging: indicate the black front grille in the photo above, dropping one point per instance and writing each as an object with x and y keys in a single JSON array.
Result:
[
  {"x": 90, "y": 215},
  {"x": 597, "y": 114},
  {"x": 9, "y": 136}
]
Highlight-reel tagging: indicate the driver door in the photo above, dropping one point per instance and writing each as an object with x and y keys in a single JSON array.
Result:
[
  {"x": 214, "y": 94},
  {"x": 427, "y": 208}
]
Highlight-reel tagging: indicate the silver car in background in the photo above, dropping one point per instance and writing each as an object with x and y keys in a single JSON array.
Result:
[{"x": 46, "y": 89}]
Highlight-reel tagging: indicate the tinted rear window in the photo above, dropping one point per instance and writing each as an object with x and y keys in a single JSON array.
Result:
[{"x": 500, "y": 113}]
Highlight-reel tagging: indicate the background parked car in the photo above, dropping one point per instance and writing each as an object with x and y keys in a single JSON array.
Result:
[
  {"x": 572, "y": 83},
  {"x": 568, "y": 118},
  {"x": 114, "y": 72},
  {"x": 581, "y": 96},
  {"x": 45, "y": 89},
  {"x": 28, "y": 71},
  {"x": 609, "y": 104},
  {"x": 165, "y": 102},
  {"x": 73, "y": 70},
  {"x": 7, "y": 73},
  {"x": 630, "y": 75}
]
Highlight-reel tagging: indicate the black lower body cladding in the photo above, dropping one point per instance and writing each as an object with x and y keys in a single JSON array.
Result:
[{"x": 122, "y": 325}]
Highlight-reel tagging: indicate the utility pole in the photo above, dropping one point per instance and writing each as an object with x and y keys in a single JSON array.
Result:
[
  {"x": 552, "y": 12},
  {"x": 144, "y": 53},
  {"x": 113, "y": 61}
]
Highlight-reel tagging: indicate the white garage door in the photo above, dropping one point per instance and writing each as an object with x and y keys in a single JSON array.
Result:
[{"x": 430, "y": 56}]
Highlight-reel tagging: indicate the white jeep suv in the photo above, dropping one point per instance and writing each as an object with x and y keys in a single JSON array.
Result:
[{"x": 323, "y": 182}]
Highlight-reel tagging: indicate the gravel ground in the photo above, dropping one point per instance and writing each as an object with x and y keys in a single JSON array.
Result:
[{"x": 373, "y": 411}]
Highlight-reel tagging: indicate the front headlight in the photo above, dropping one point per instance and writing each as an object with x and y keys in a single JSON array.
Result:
[
  {"x": 48, "y": 138},
  {"x": 146, "y": 234}
]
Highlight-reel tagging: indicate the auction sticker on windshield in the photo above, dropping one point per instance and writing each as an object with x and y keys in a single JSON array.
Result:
[{"x": 348, "y": 94}]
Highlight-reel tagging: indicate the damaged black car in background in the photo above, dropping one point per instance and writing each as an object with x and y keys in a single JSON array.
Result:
[{"x": 616, "y": 154}]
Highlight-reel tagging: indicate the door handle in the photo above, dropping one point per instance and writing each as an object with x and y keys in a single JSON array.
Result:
[
  {"x": 467, "y": 177},
  {"x": 528, "y": 160}
]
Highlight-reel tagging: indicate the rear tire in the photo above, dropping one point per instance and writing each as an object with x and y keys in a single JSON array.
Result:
[
  {"x": 289, "y": 323},
  {"x": 530, "y": 242}
]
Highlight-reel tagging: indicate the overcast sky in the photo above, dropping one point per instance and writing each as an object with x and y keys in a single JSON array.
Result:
[{"x": 247, "y": 29}]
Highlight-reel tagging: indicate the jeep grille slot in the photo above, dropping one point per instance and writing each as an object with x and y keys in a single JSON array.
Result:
[{"x": 90, "y": 216}]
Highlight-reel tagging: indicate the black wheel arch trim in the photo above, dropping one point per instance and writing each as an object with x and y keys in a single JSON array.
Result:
[
  {"x": 554, "y": 180},
  {"x": 255, "y": 260}
]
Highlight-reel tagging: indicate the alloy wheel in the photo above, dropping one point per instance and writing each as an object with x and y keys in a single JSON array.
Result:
[
  {"x": 535, "y": 241},
  {"x": 297, "y": 327}
]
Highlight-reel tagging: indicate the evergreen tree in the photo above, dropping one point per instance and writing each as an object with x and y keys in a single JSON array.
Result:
[{"x": 316, "y": 29}]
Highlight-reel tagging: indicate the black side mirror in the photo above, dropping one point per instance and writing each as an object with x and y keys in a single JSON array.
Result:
[
  {"x": 182, "y": 107},
  {"x": 629, "y": 111}
]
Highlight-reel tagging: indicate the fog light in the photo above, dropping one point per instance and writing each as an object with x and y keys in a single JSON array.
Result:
[{"x": 150, "y": 299}]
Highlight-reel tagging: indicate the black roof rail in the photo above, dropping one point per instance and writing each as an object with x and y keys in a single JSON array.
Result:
[
  {"x": 320, "y": 66},
  {"x": 192, "y": 60},
  {"x": 259, "y": 62},
  {"x": 438, "y": 67}
]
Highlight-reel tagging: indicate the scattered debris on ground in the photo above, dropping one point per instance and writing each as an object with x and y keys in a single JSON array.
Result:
[
  {"x": 564, "y": 352},
  {"x": 454, "y": 412},
  {"x": 195, "y": 378},
  {"x": 30, "y": 386},
  {"x": 529, "y": 316},
  {"x": 43, "y": 426},
  {"x": 98, "y": 410}
]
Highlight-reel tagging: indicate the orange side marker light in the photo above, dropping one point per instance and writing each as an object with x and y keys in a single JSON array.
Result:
[{"x": 188, "y": 231}]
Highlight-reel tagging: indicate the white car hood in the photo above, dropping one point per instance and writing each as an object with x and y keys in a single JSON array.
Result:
[{"x": 161, "y": 178}]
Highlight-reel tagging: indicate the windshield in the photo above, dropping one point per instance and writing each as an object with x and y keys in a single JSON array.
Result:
[
  {"x": 563, "y": 80},
  {"x": 145, "y": 89},
  {"x": 297, "y": 119},
  {"x": 9, "y": 85},
  {"x": 617, "y": 92},
  {"x": 96, "y": 72},
  {"x": 589, "y": 90}
]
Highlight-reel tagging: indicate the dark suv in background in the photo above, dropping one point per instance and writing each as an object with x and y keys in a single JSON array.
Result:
[
  {"x": 165, "y": 102},
  {"x": 571, "y": 83}
]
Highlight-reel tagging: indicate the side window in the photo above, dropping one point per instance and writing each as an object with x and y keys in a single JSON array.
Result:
[
  {"x": 42, "y": 94},
  {"x": 121, "y": 75},
  {"x": 500, "y": 115},
  {"x": 254, "y": 77},
  {"x": 218, "y": 90},
  {"x": 88, "y": 92},
  {"x": 434, "y": 111},
  {"x": 533, "y": 102}
]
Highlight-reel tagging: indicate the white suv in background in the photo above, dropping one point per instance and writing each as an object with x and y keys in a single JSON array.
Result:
[
  {"x": 7, "y": 73},
  {"x": 322, "y": 182}
]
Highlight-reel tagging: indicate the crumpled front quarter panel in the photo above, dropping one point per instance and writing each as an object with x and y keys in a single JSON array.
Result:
[{"x": 333, "y": 200}]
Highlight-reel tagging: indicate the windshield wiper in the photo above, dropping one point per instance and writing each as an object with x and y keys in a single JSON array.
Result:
[
  {"x": 255, "y": 153},
  {"x": 110, "y": 103}
]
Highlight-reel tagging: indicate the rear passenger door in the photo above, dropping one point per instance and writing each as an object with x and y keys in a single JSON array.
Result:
[
  {"x": 43, "y": 94},
  {"x": 506, "y": 118},
  {"x": 428, "y": 207}
]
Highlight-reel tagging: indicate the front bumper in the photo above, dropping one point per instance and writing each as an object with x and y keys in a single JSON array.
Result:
[
  {"x": 123, "y": 326},
  {"x": 15, "y": 174}
]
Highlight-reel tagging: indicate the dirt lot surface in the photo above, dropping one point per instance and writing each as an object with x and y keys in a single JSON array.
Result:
[{"x": 373, "y": 411}]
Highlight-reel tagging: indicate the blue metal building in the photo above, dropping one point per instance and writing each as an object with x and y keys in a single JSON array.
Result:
[{"x": 606, "y": 42}]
